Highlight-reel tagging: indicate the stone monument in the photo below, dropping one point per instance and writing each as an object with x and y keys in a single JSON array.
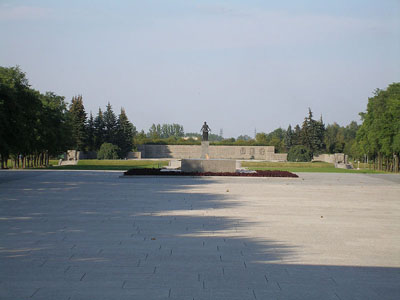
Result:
[
  {"x": 205, "y": 164},
  {"x": 204, "y": 142}
]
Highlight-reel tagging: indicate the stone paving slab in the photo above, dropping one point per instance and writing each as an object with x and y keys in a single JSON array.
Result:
[{"x": 92, "y": 235}]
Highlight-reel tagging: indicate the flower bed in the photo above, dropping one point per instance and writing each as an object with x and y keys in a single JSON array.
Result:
[{"x": 158, "y": 172}]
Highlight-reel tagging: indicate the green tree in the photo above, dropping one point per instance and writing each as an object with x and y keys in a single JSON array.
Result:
[
  {"x": 261, "y": 138},
  {"x": 108, "y": 151},
  {"x": 99, "y": 130},
  {"x": 32, "y": 125},
  {"x": 312, "y": 134},
  {"x": 110, "y": 123},
  {"x": 288, "y": 139},
  {"x": 378, "y": 136},
  {"x": 77, "y": 118},
  {"x": 125, "y": 134},
  {"x": 299, "y": 153},
  {"x": 90, "y": 134}
]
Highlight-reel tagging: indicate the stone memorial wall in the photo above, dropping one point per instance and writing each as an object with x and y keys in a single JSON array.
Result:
[{"x": 215, "y": 152}]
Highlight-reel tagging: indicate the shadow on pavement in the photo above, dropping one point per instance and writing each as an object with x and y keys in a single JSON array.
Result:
[{"x": 92, "y": 235}]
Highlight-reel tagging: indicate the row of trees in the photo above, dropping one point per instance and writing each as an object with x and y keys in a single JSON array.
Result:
[
  {"x": 33, "y": 126},
  {"x": 379, "y": 135},
  {"x": 88, "y": 134},
  {"x": 36, "y": 126}
]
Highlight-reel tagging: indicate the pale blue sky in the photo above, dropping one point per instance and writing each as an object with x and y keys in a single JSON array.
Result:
[{"x": 239, "y": 65}]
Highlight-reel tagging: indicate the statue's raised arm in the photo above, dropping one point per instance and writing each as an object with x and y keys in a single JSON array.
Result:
[{"x": 205, "y": 130}]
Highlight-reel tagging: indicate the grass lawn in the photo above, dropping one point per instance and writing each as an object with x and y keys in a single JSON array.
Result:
[
  {"x": 302, "y": 167},
  {"x": 95, "y": 164}
]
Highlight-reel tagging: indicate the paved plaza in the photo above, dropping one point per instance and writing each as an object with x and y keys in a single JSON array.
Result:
[{"x": 93, "y": 235}]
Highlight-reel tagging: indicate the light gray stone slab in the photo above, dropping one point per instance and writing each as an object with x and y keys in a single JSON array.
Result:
[
  {"x": 208, "y": 165},
  {"x": 92, "y": 235}
]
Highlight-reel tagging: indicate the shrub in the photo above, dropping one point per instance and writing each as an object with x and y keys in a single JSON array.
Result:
[
  {"x": 299, "y": 153},
  {"x": 108, "y": 151}
]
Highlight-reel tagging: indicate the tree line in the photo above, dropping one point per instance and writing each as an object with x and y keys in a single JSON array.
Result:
[
  {"x": 103, "y": 133},
  {"x": 36, "y": 126}
]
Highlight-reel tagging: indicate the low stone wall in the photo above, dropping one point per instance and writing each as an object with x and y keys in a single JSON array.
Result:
[
  {"x": 337, "y": 158},
  {"x": 134, "y": 155},
  {"x": 214, "y": 152},
  {"x": 77, "y": 155}
]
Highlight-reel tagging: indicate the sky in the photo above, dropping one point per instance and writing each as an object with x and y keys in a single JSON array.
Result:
[{"x": 241, "y": 65}]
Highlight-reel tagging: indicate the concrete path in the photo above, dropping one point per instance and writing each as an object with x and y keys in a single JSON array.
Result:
[{"x": 93, "y": 235}]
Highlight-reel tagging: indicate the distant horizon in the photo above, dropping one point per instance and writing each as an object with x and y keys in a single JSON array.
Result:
[{"x": 239, "y": 65}]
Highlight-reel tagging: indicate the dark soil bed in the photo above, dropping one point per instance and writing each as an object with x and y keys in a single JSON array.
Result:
[{"x": 158, "y": 172}]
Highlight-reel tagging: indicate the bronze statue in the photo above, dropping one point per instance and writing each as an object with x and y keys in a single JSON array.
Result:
[{"x": 205, "y": 130}]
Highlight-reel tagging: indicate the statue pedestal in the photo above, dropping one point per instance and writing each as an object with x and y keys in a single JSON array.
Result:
[
  {"x": 208, "y": 165},
  {"x": 204, "y": 150}
]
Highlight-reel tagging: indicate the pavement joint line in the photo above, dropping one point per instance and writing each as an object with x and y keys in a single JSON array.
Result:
[
  {"x": 42, "y": 264},
  {"x": 83, "y": 276},
  {"x": 337, "y": 296},
  {"x": 34, "y": 293}
]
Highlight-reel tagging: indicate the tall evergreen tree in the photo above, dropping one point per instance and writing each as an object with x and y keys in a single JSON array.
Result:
[
  {"x": 312, "y": 134},
  {"x": 90, "y": 134},
  {"x": 288, "y": 139},
  {"x": 78, "y": 122},
  {"x": 125, "y": 134},
  {"x": 110, "y": 123},
  {"x": 99, "y": 130}
]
